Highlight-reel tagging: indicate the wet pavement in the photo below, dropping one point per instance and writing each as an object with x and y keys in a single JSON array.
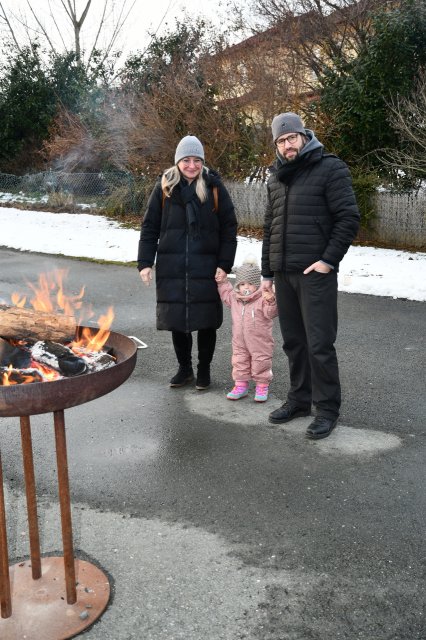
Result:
[{"x": 212, "y": 523}]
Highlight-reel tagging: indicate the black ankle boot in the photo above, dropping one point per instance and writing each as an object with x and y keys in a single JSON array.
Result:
[
  {"x": 203, "y": 377},
  {"x": 183, "y": 376}
]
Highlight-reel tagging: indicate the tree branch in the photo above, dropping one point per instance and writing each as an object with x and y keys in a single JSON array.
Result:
[
  {"x": 43, "y": 30},
  {"x": 9, "y": 25}
]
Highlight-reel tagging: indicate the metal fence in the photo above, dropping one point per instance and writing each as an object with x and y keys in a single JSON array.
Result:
[
  {"x": 115, "y": 193},
  {"x": 400, "y": 218}
]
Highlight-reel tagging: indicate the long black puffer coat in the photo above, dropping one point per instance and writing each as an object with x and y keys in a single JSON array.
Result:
[
  {"x": 311, "y": 212},
  {"x": 187, "y": 296}
]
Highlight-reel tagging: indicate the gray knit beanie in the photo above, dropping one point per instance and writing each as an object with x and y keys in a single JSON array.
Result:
[
  {"x": 249, "y": 271},
  {"x": 286, "y": 123},
  {"x": 189, "y": 146}
]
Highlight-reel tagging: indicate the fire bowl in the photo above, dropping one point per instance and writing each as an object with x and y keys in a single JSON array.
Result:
[{"x": 46, "y": 397}]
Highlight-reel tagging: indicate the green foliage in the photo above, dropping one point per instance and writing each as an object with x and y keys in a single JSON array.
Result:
[
  {"x": 365, "y": 186},
  {"x": 355, "y": 96},
  {"x": 27, "y": 103},
  {"x": 31, "y": 89},
  {"x": 69, "y": 81}
]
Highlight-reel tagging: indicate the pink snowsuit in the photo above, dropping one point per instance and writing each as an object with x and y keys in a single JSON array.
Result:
[{"x": 252, "y": 341}]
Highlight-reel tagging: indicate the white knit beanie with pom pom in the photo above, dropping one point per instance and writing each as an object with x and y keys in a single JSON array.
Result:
[{"x": 248, "y": 271}]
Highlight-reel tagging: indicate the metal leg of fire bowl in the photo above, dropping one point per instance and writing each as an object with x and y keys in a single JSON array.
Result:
[
  {"x": 40, "y": 610},
  {"x": 6, "y": 604},
  {"x": 30, "y": 488},
  {"x": 64, "y": 501}
]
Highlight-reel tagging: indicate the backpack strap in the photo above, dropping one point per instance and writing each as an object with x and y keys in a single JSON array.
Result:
[{"x": 215, "y": 199}]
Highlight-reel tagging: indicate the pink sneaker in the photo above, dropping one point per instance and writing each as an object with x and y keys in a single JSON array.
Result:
[
  {"x": 261, "y": 392},
  {"x": 239, "y": 391}
]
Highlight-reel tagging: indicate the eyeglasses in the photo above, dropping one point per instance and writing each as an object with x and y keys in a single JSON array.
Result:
[{"x": 291, "y": 139}]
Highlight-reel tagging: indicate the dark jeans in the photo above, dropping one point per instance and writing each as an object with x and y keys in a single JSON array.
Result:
[
  {"x": 307, "y": 307},
  {"x": 206, "y": 342}
]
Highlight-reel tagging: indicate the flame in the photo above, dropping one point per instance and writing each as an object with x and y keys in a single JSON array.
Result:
[
  {"x": 5, "y": 378},
  {"x": 94, "y": 342},
  {"x": 49, "y": 295},
  {"x": 18, "y": 300},
  {"x": 46, "y": 372}
]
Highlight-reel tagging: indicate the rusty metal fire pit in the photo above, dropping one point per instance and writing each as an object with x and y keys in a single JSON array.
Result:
[{"x": 41, "y": 604}]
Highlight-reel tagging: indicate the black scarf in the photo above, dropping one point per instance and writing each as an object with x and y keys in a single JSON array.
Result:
[
  {"x": 192, "y": 207},
  {"x": 287, "y": 170}
]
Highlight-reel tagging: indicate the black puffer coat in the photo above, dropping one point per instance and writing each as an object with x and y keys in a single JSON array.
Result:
[
  {"x": 311, "y": 212},
  {"x": 187, "y": 296}
]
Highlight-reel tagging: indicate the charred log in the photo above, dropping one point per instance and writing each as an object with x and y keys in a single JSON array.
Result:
[
  {"x": 12, "y": 355},
  {"x": 97, "y": 360},
  {"x": 58, "y": 357},
  {"x": 10, "y": 376}
]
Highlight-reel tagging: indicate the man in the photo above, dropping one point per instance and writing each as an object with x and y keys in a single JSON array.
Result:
[{"x": 311, "y": 219}]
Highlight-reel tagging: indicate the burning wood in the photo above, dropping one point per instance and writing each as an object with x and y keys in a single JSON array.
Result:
[
  {"x": 40, "y": 345},
  {"x": 58, "y": 357},
  {"x": 13, "y": 355},
  {"x": 96, "y": 360},
  {"x": 9, "y": 376},
  {"x": 27, "y": 361},
  {"x": 20, "y": 322}
]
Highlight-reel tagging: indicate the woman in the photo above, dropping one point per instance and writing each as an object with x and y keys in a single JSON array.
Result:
[{"x": 189, "y": 230}]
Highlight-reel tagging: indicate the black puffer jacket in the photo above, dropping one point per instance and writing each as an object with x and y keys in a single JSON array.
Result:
[
  {"x": 187, "y": 296},
  {"x": 311, "y": 212}
]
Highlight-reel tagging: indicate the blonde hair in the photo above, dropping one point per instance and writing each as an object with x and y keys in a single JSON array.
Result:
[{"x": 172, "y": 176}]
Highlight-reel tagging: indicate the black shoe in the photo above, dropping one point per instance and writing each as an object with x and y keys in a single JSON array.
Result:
[
  {"x": 184, "y": 375},
  {"x": 288, "y": 412},
  {"x": 321, "y": 427},
  {"x": 203, "y": 378}
]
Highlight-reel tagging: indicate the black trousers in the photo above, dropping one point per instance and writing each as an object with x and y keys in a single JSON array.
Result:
[
  {"x": 307, "y": 307},
  {"x": 206, "y": 343}
]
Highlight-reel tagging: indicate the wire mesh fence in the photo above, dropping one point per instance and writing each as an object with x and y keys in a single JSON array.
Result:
[
  {"x": 400, "y": 219},
  {"x": 114, "y": 193}
]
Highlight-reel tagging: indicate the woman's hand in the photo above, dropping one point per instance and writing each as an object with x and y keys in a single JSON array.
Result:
[
  {"x": 146, "y": 275},
  {"x": 220, "y": 275}
]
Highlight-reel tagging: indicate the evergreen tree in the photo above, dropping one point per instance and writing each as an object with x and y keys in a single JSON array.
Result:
[
  {"x": 355, "y": 99},
  {"x": 27, "y": 105}
]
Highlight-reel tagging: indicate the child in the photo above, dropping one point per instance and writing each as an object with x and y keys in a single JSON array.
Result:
[{"x": 252, "y": 342}]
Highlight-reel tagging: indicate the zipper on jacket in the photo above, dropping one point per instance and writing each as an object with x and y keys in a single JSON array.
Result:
[
  {"x": 187, "y": 283},
  {"x": 286, "y": 190}
]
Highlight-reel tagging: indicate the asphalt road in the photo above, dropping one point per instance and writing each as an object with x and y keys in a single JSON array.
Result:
[{"x": 213, "y": 524}]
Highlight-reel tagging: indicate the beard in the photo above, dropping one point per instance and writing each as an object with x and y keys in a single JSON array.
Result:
[{"x": 293, "y": 157}]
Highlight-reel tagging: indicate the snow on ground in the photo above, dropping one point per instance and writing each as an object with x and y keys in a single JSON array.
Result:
[{"x": 380, "y": 272}]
